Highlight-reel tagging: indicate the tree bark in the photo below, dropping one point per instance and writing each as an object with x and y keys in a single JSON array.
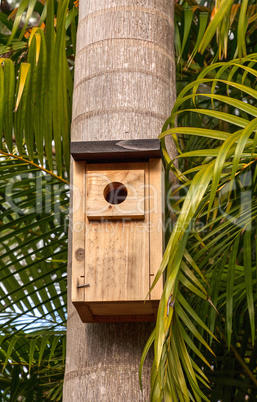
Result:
[{"x": 124, "y": 89}]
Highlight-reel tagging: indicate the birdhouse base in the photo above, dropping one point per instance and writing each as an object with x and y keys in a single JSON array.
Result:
[{"x": 132, "y": 311}]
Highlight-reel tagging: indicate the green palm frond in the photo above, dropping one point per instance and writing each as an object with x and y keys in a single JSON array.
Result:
[
  {"x": 34, "y": 224},
  {"x": 33, "y": 263},
  {"x": 208, "y": 31},
  {"x": 36, "y": 71},
  {"x": 36, "y": 93},
  {"x": 33, "y": 366},
  {"x": 213, "y": 240}
]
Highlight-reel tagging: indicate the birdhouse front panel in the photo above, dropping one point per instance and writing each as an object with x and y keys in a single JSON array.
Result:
[
  {"x": 117, "y": 240},
  {"x": 119, "y": 246},
  {"x": 115, "y": 193}
]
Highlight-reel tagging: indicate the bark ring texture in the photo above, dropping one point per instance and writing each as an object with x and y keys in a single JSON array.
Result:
[{"x": 124, "y": 69}]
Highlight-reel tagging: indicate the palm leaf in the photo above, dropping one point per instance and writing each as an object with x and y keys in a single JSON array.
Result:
[
  {"x": 43, "y": 89},
  {"x": 33, "y": 272},
  {"x": 217, "y": 180}
]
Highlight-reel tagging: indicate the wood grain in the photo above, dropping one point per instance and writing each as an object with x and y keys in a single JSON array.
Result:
[
  {"x": 126, "y": 150},
  {"x": 98, "y": 181},
  {"x": 134, "y": 311},
  {"x": 117, "y": 252},
  {"x": 78, "y": 230},
  {"x": 124, "y": 70},
  {"x": 156, "y": 225}
]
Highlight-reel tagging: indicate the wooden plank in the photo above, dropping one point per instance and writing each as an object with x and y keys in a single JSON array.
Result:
[
  {"x": 156, "y": 229},
  {"x": 132, "y": 311},
  {"x": 84, "y": 311},
  {"x": 117, "y": 260},
  {"x": 115, "y": 194},
  {"x": 78, "y": 231},
  {"x": 122, "y": 308},
  {"x": 126, "y": 150}
]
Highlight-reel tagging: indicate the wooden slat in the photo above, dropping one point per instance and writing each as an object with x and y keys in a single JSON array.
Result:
[
  {"x": 133, "y": 204},
  {"x": 126, "y": 150},
  {"x": 132, "y": 311},
  {"x": 156, "y": 223},
  {"x": 78, "y": 231},
  {"x": 117, "y": 258}
]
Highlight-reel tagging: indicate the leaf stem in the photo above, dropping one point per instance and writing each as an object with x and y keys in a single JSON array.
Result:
[
  {"x": 241, "y": 361},
  {"x": 34, "y": 164},
  {"x": 244, "y": 365}
]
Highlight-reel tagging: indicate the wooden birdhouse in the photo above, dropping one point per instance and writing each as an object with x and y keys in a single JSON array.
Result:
[{"x": 117, "y": 229}]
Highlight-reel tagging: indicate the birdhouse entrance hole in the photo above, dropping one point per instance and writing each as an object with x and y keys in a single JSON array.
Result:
[{"x": 115, "y": 193}]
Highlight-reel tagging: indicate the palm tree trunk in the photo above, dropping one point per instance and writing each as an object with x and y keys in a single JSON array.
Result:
[{"x": 124, "y": 89}]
